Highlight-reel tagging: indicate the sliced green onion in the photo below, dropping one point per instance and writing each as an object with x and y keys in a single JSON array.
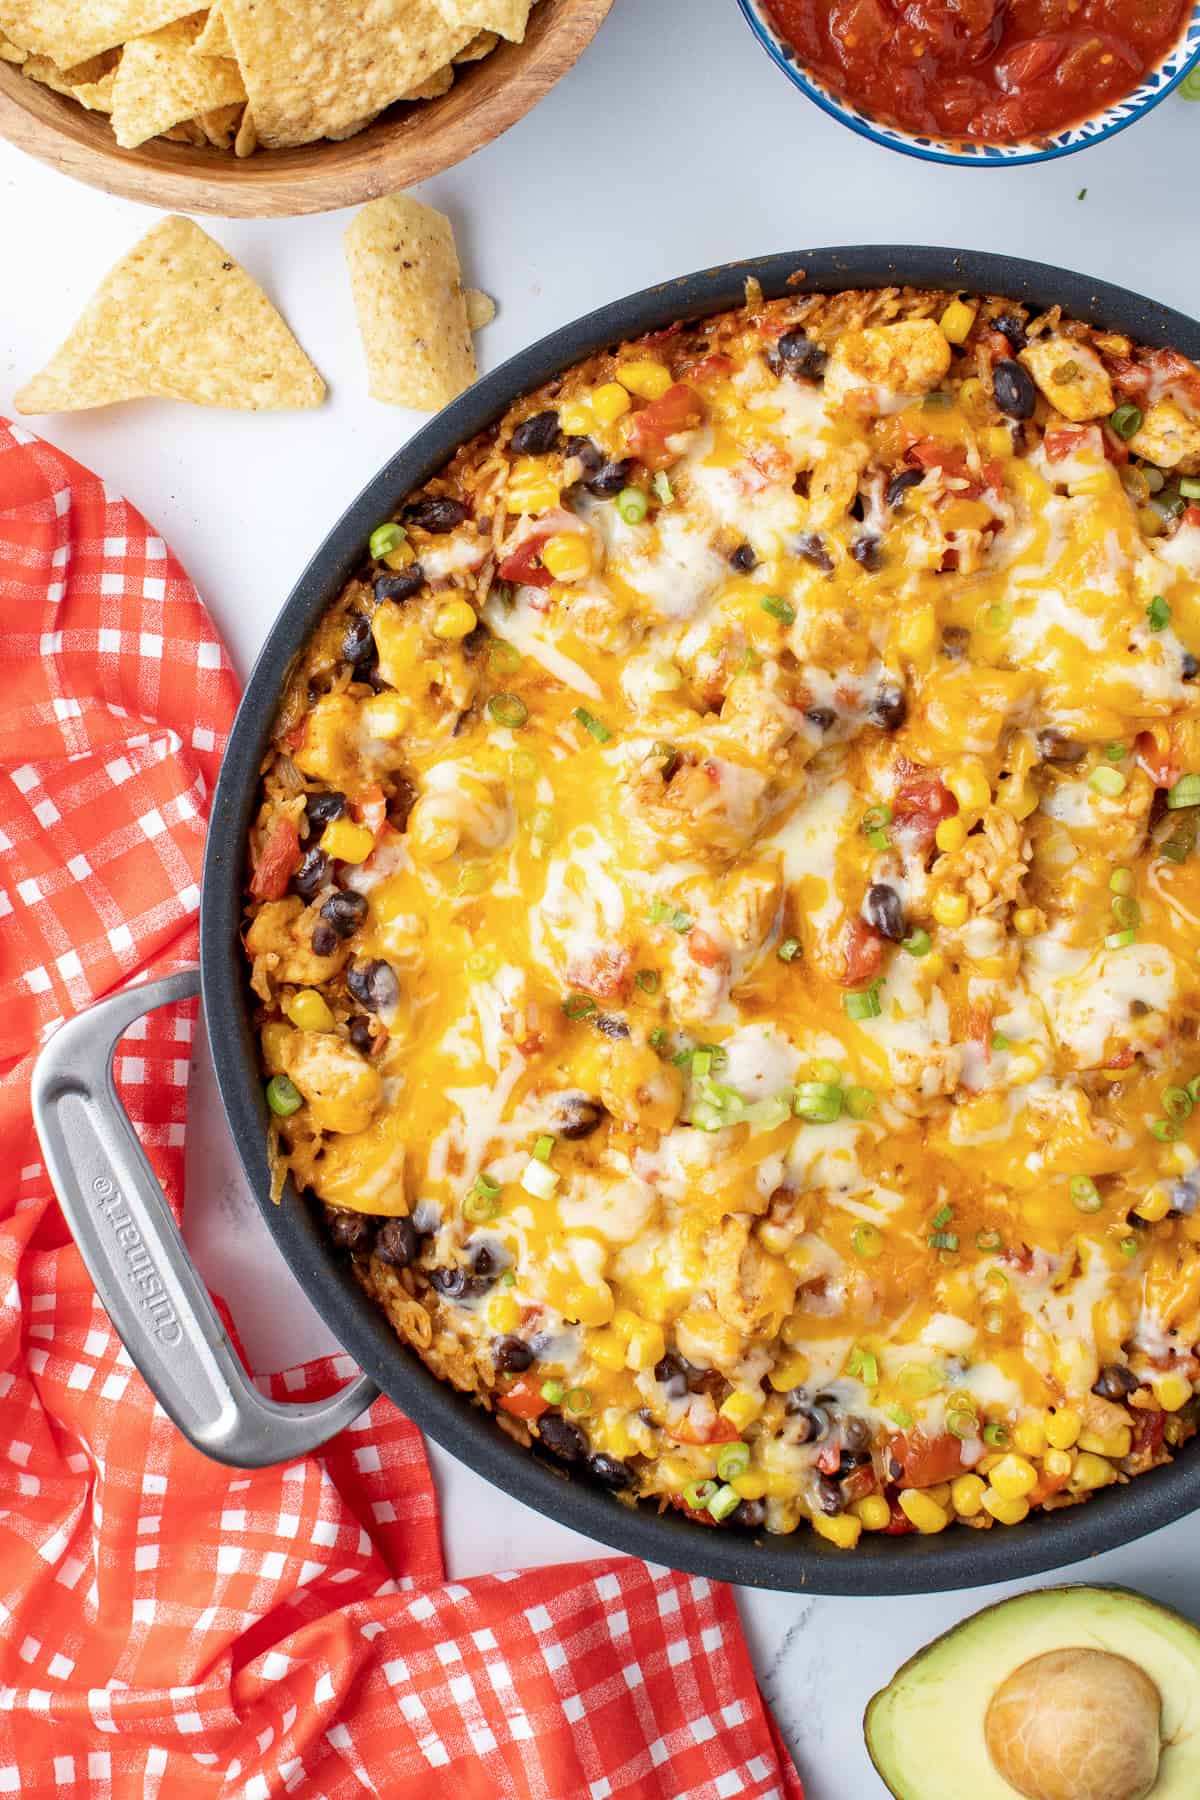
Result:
[
  {"x": 544, "y": 1148},
  {"x": 384, "y": 539},
  {"x": 1128, "y": 1246},
  {"x": 1166, "y": 1131},
  {"x": 920, "y": 1380},
  {"x": 876, "y": 817},
  {"x": 662, "y": 487},
  {"x": 508, "y": 709},
  {"x": 863, "y": 1364},
  {"x": 778, "y": 609},
  {"x": 283, "y": 1097},
  {"x": 961, "y": 1424},
  {"x": 1193, "y": 1088},
  {"x": 789, "y": 950},
  {"x": 733, "y": 1460},
  {"x": 1109, "y": 782},
  {"x": 503, "y": 658},
  {"x": 818, "y": 1101},
  {"x": 701, "y": 1063},
  {"x": 663, "y": 913},
  {"x": 1121, "y": 881},
  {"x": 658, "y": 1038},
  {"x": 1189, "y": 487},
  {"x": 941, "y": 1217},
  {"x": 667, "y": 754},
  {"x": 554, "y": 1392},
  {"x": 918, "y": 943},
  {"x": 900, "y": 1415},
  {"x": 698, "y": 1494},
  {"x": 590, "y": 722},
  {"x": 859, "y": 1102},
  {"x": 578, "y": 1400},
  {"x": 996, "y": 1435},
  {"x": 997, "y": 1278},
  {"x": 863, "y": 1004},
  {"x": 1158, "y": 614},
  {"x": 988, "y": 1240},
  {"x": 943, "y": 1240},
  {"x": 997, "y": 616},
  {"x": 632, "y": 505},
  {"x": 1179, "y": 846},
  {"x": 1119, "y": 940},
  {"x": 508, "y": 1279},
  {"x": 726, "y": 1500},
  {"x": 648, "y": 980},
  {"x": 1000, "y": 1042},
  {"x": 578, "y": 1006},
  {"x": 1126, "y": 911},
  {"x": 480, "y": 1207},
  {"x": 1085, "y": 1194},
  {"x": 1126, "y": 420},
  {"x": 993, "y": 1320},
  {"x": 1177, "y": 1102},
  {"x": 1186, "y": 792},
  {"x": 867, "y": 1241},
  {"x": 879, "y": 840},
  {"x": 826, "y": 1071},
  {"x": 1115, "y": 753}
]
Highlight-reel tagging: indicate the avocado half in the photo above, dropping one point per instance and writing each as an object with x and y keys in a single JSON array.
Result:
[{"x": 926, "y": 1730}]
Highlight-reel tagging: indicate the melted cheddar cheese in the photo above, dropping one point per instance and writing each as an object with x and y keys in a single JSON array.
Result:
[{"x": 725, "y": 914}]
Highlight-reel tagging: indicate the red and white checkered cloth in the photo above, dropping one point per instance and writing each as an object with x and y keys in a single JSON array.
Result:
[{"x": 168, "y": 1627}]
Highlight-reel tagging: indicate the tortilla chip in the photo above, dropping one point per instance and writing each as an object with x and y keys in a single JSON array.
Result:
[
  {"x": 215, "y": 40},
  {"x": 482, "y": 44},
  {"x": 246, "y": 141},
  {"x": 177, "y": 317},
  {"x": 481, "y": 309},
  {"x": 161, "y": 81},
  {"x": 412, "y": 312},
  {"x": 438, "y": 83},
  {"x": 82, "y": 77},
  {"x": 96, "y": 95},
  {"x": 188, "y": 131},
  {"x": 507, "y": 17},
  {"x": 11, "y": 53},
  {"x": 220, "y": 126},
  {"x": 69, "y": 31},
  {"x": 312, "y": 67}
]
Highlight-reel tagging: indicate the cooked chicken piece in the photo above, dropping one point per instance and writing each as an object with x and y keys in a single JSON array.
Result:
[
  {"x": 895, "y": 360},
  {"x": 1168, "y": 437},
  {"x": 281, "y": 935},
  {"x": 341, "y": 1087},
  {"x": 1071, "y": 376}
]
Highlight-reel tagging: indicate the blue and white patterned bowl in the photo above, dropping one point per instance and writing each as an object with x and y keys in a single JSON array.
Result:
[{"x": 967, "y": 151}]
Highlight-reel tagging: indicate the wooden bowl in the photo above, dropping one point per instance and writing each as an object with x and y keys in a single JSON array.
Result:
[{"x": 403, "y": 146}]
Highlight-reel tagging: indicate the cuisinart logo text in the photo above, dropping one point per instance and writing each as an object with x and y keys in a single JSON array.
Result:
[{"x": 164, "y": 1324}]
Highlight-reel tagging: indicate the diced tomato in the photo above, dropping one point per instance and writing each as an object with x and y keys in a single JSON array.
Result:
[
  {"x": 1062, "y": 441},
  {"x": 604, "y": 974},
  {"x": 862, "y": 949},
  {"x": 1159, "y": 765},
  {"x": 979, "y": 1027},
  {"x": 859, "y": 1485},
  {"x": 1129, "y": 377},
  {"x": 921, "y": 802},
  {"x": 830, "y": 1459},
  {"x": 1021, "y": 1258},
  {"x": 709, "y": 368},
  {"x": 898, "y": 1525},
  {"x": 1191, "y": 516},
  {"x": 277, "y": 864},
  {"x": 665, "y": 335},
  {"x": 705, "y": 950},
  {"x": 647, "y": 431},
  {"x": 1177, "y": 371},
  {"x": 719, "y": 1430},
  {"x": 1124, "y": 1058},
  {"x": 937, "y": 453},
  {"x": 370, "y": 809},
  {"x": 523, "y": 1400},
  {"x": 924, "y": 1461},
  {"x": 702, "y": 1517},
  {"x": 523, "y": 565},
  {"x": 1115, "y": 448},
  {"x": 1028, "y": 62},
  {"x": 1148, "y": 1429}
]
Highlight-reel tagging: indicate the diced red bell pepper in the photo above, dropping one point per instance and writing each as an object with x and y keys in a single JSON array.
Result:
[
  {"x": 899, "y": 1525},
  {"x": 924, "y": 1461},
  {"x": 1062, "y": 441},
  {"x": 719, "y": 1431},
  {"x": 523, "y": 565},
  {"x": 1148, "y": 1431},
  {"x": 647, "y": 431},
  {"x": 523, "y": 1400},
  {"x": 1159, "y": 764},
  {"x": 705, "y": 950},
  {"x": 277, "y": 864},
  {"x": 862, "y": 949},
  {"x": 921, "y": 803}
]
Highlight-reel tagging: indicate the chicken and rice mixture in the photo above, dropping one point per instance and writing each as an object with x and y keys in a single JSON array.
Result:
[{"x": 725, "y": 908}]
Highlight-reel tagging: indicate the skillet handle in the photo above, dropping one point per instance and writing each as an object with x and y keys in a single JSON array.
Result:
[{"x": 136, "y": 1256}]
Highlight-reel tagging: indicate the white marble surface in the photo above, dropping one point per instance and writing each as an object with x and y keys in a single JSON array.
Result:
[{"x": 673, "y": 145}]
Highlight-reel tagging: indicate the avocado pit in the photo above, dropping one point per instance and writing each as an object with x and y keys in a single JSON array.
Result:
[{"x": 1076, "y": 1724}]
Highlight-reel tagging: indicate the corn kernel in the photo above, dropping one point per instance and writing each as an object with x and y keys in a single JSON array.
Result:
[
  {"x": 503, "y": 1313},
  {"x": 588, "y": 1303},
  {"x": 1005, "y": 1511},
  {"x": 345, "y": 841},
  {"x": 705, "y": 1337},
  {"x": 1057, "y": 1464},
  {"x": 531, "y": 496},
  {"x": 923, "y": 1512},
  {"x": 575, "y": 418},
  {"x": 1116, "y": 1443},
  {"x": 1029, "y": 1436},
  {"x": 456, "y": 619},
  {"x": 1171, "y": 1391},
  {"x": 950, "y": 909},
  {"x": 609, "y": 402},
  {"x": 1091, "y": 1472},
  {"x": 997, "y": 440},
  {"x": 625, "y": 1322},
  {"x": 401, "y": 556},
  {"x": 648, "y": 380},
  {"x": 843, "y": 1529},
  {"x": 645, "y": 1347},
  {"x": 385, "y": 716},
  {"x": 1063, "y": 1427},
  {"x": 951, "y": 834},
  {"x": 608, "y": 1349},
  {"x": 308, "y": 1010},
  {"x": 742, "y": 1407},
  {"x": 1013, "y": 1477},
  {"x": 274, "y": 1036},
  {"x": 916, "y": 633},
  {"x": 939, "y": 1491},
  {"x": 791, "y": 1372},
  {"x": 1155, "y": 1206},
  {"x": 956, "y": 321},
  {"x": 874, "y": 1511},
  {"x": 568, "y": 556},
  {"x": 1027, "y": 921},
  {"x": 676, "y": 1471},
  {"x": 795, "y": 1328},
  {"x": 969, "y": 785},
  {"x": 751, "y": 1486},
  {"x": 966, "y": 1495}
]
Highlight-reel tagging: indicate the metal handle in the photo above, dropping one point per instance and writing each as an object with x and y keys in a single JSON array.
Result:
[{"x": 137, "y": 1258}]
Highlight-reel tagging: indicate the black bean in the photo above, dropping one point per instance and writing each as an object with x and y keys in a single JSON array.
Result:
[
  {"x": 830, "y": 1497},
  {"x": 883, "y": 911},
  {"x": 398, "y": 1245},
  {"x": 1011, "y": 326},
  {"x": 751, "y": 1514},
  {"x": 1053, "y": 747},
  {"x": 358, "y": 646},
  {"x": 856, "y": 1433},
  {"x": 360, "y": 1034},
  {"x": 512, "y": 1356},
  {"x": 1013, "y": 389},
  {"x": 437, "y": 513},
  {"x": 321, "y": 809},
  {"x": 610, "y": 1473},
  {"x": 484, "y": 1261},
  {"x": 452, "y": 1282},
  {"x": 815, "y": 1418},
  {"x": 823, "y": 717},
  {"x": 867, "y": 550},
  {"x": 535, "y": 436},
  {"x": 1189, "y": 667},
  {"x": 589, "y": 455},
  {"x": 671, "y": 1372},
  {"x": 611, "y": 1026},
  {"x": 350, "y": 1230},
  {"x": 345, "y": 911},
  {"x": 1116, "y": 1381},
  {"x": 575, "y": 1117},
  {"x": 611, "y": 478},
  {"x": 324, "y": 939},
  {"x": 743, "y": 559},
  {"x": 955, "y": 639},
  {"x": 811, "y": 547},
  {"x": 899, "y": 485},
  {"x": 312, "y": 874},
  {"x": 374, "y": 985},
  {"x": 561, "y": 1438},
  {"x": 800, "y": 356},
  {"x": 849, "y": 1460},
  {"x": 889, "y": 708},
  {"x": 401, "y": 586}
]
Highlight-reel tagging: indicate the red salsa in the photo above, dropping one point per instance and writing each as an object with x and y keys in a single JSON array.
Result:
[{"x": 997, "y": 70}]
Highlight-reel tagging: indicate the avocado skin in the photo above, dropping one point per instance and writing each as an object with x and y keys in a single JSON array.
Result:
[{"x": 976, "y": 1625}]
